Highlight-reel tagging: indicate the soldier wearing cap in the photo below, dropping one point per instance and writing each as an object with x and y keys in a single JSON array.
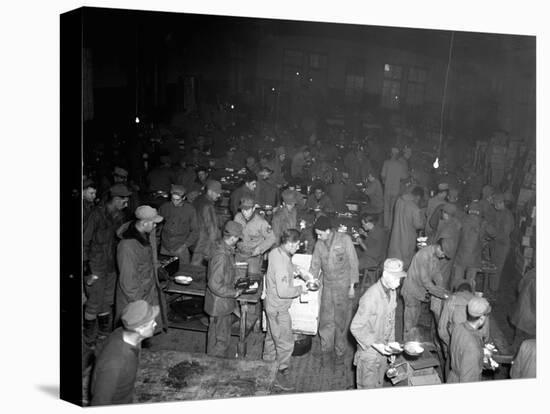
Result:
[
  {"x": 453, "y": 313},
  {"x": 437, "y": 200},
  {"x": 374, "y": 323},
  {"x": 334, "y": 255},
  {"x": 504, "y": 225},
  {"x": 209, "y": 223},
  {"x": 248, "y": 189},
  {"x": 374, "y": 192},
  {"x": 184, "y": 174},
  {"x": 448, "y": 227},
  {"x": 279, "y": 292},
  {"x": 136, "y": 254},
  {"x": 286, "y": 216},
  {"x": 257, "y": 236},
  {"x": 393, "y": 172},
  {"x": 266, "y": 192},
  {"x": 119, "y": 176},
  {"x": 408, "y": 219},
  {"x": 475, "y": 230},
  {"x": 99, "y": 249},
  {"x": 424, "y": 282},
  {"x": 89, "y": 193},
  {"x": 219, "y": 300},
  {"x": 466, "y": 349},
  {"x": 180, "y": 227},
  {"x": 116, "y": 366}
]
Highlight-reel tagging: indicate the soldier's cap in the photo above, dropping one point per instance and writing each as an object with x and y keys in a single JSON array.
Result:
[
  {"x": 232, "y": 228},
  {"x": 138, "y": 313},
  {"x": 443, "y": 186},
  {"x": 148, "y": 213},
  {"x": 120, "y": 190},
  {"x": 394, "y": 267},
  {"x": 177, "y": 189},
  {"x": 289, "y": 196},
  {"x": 448, "y": 247},
  {"x": 322, "y": 223},
  {"x": 214, "y": 185},
  {"x": 450, "y": 209},
  {"x": 121, "y": 172},
  {"x": 246, "y": 203},
  {"x": 478, "y": 307},
  {"x": 87, "y": 183},
  {"x": 395, "y": 150},
  {"x": 265, "y": 170}
]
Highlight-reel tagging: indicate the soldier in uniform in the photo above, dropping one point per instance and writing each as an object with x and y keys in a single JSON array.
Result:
[{"x": 258, "y": 237}]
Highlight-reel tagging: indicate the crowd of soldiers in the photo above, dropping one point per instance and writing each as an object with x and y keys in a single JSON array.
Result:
[{"x": 269, "y": 219}]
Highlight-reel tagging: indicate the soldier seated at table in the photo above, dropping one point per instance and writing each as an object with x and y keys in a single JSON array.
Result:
[{"x": 319, "y": 201}]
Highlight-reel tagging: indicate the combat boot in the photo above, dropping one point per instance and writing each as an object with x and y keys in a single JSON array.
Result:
[{"x": 282, "y": 381}]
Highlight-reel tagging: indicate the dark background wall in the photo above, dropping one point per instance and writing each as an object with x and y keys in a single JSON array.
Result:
[{"x": 158, "y": 65}]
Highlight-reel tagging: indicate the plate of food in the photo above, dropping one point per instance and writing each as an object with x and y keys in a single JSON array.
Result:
[
  {"x": 413, "y": 348},
  {"x": 183, "y": 280},
  {"x": 395, "y": 347},
  {"x": 313, "y": 285}
]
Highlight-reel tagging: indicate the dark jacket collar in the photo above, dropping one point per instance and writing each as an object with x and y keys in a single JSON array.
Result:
[{"x": 133, "y": 233}]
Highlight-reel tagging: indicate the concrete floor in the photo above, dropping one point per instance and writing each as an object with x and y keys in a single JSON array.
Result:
[{"x": 307, "y": 372}]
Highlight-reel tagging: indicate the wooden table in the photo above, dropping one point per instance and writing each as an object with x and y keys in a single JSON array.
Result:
[
  {"x": 198, "y": 288},
  {"x": 178, "y": 376}
]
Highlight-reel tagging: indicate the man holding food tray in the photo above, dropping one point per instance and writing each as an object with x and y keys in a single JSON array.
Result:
[
  {"x": 374, "y": 323},
  {"x": 280, "y": 290}
]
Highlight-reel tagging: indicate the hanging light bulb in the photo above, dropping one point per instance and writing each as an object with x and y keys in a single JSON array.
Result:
[
  {"x": 137, "y": 120},
  {"x": 436, "y": 163}
]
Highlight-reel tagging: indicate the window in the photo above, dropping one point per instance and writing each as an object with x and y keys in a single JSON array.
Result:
[
  {"x": 415, "y": 86},
  {"x": 317, "y": 69},
  {"x": 391, "y": 88},
  {"x": 355, "y": 80}
]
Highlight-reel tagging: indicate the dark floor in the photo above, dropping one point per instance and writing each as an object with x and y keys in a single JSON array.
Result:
[{"x": 307, "y": 372}]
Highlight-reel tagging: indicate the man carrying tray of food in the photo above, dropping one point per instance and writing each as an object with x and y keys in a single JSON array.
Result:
[{"x": 374, "y": 324}]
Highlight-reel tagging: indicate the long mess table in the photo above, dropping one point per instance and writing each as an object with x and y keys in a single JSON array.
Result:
[
  {"x": 178, "y": 376},
  {"x": 198, "y": 288}
]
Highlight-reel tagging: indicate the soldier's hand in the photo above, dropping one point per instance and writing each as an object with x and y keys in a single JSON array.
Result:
[{"x": 351, "y": 293}]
